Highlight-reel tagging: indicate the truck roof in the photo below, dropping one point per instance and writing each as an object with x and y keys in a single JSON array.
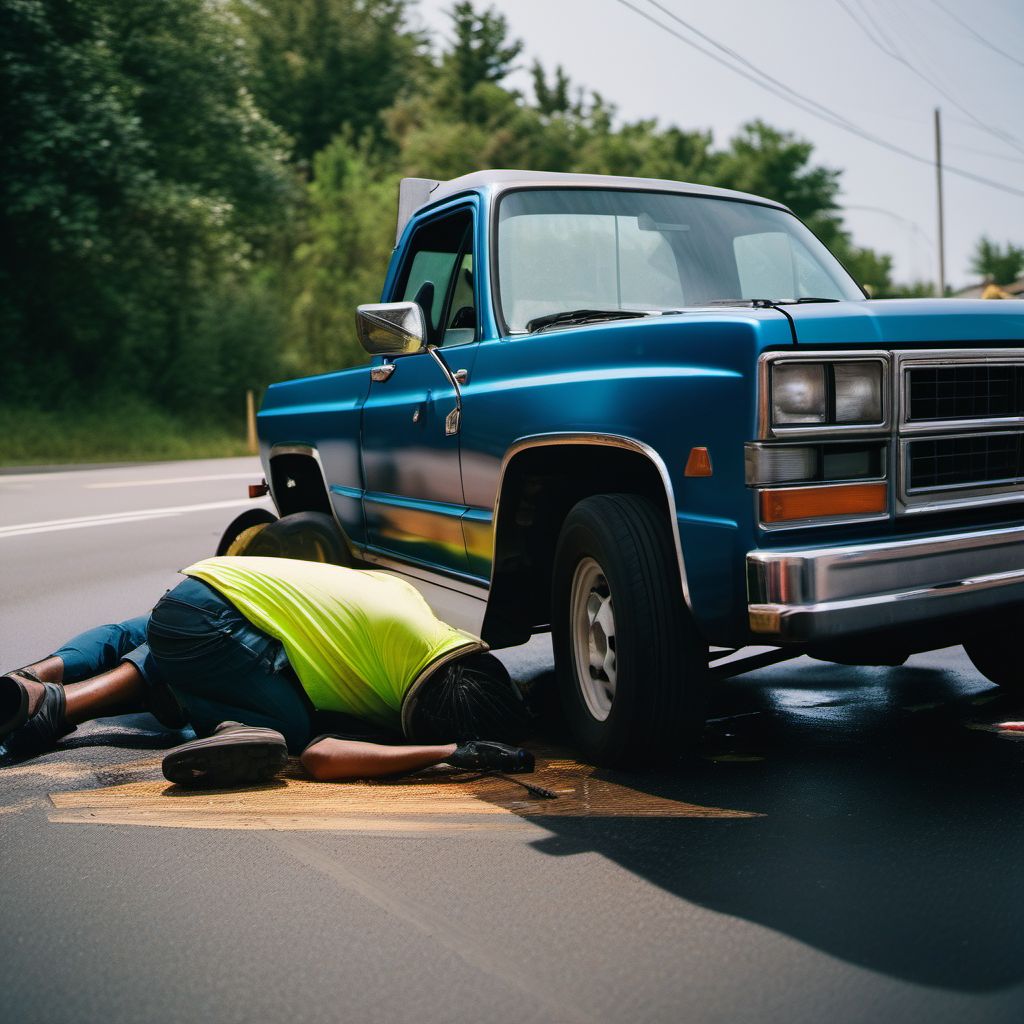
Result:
[{"x": 416, "y": 193}]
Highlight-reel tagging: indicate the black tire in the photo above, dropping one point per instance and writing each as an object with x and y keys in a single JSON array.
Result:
[
  {"x": 308, "y": 536},
  {"x": 243, "y": 528},
  {"x": 996, "y": 653},
  {"x": 660, "y": 659}
]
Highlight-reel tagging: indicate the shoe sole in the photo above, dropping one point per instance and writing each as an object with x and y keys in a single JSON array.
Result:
[{"x": 223, "y": 761}]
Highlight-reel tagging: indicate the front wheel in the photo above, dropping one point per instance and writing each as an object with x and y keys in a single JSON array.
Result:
[{"x": 630, "y": 664}]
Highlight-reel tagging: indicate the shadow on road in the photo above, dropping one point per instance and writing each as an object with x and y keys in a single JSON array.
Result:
[{"x": 892, "y": 836}]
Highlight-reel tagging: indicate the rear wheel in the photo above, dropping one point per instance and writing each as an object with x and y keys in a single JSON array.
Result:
[
  {"x": 308, "y": 536},
  {"x": 242, "y": 529},
  {"x": 630, "y": 664}
]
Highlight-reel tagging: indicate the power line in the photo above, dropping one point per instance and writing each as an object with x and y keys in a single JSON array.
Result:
[
  {"x": 977, "y": 35},
  {"x": 776, "y": 85},
  {"x": 985, "y": 152},
  {"x": 876, "y": 34},
  {"x": 913, "y": 225},
  {"x": 805, "y": 103}
]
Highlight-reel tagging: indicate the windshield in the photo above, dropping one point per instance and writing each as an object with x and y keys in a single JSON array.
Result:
[{"x": 567, "y": 249}]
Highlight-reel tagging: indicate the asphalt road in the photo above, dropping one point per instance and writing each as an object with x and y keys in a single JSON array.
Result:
[{"x": 879, "y": 880}]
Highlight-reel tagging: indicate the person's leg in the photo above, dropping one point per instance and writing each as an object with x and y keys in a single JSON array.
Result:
[
  {"x": 92, "y": 652},
  {"x": 117, "y": 691},
  {"x": 49, "y": 670},
  {"x": 29, "y": 697},
  {"x": 35, "y": 714},
  {"x": 222, "y": 668},
  {"x": 89, "y": 653}
]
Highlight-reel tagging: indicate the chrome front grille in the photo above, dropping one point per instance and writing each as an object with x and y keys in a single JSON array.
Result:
[
  {"x": 964, "y": 461},
  {"x": 962, "y": 392},
  {"x": 960, "y": 427}
]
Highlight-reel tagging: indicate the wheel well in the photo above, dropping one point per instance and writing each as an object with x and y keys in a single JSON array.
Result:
[
  {"x": 539, "y": 488},
  {"x": 298, "y": 484}
]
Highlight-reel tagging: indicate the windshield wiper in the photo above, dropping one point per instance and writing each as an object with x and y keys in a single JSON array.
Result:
[
  {"x": 768, "y": 303},
  {"x": 756, "y": 303},
  {"x": 581, "y": 316}
]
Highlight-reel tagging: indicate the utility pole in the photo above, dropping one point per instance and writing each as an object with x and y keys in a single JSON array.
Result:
[{"x": 938, "y": 182}]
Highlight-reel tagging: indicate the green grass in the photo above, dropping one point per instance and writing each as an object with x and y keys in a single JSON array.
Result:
[{"x": 110, "y": 433}]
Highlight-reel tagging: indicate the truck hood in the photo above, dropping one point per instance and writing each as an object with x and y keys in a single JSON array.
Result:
[{"x": 885, "y": 322}]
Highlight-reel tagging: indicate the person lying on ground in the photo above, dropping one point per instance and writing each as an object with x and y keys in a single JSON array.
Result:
[{"x": 245, "y": 644}]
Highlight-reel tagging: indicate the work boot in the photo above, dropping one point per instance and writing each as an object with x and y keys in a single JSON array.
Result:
[
  {"x": 235, "y": 755},
  {"x": 31, "y": 722},
  {"x": 486, "y": 755}
]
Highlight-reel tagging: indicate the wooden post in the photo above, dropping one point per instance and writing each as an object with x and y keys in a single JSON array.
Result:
[{"x": 250, "y": 422}]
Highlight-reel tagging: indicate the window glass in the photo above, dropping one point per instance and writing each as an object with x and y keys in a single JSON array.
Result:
[
  {"x": 460, "y": 323},
  {"x": 566, "y": 249},
  {"x": 764, "y": 262},
  {"x": 772, "y": 264},
  {"x": 438, "y": 274},
  {"x": 433, "y": 269}
]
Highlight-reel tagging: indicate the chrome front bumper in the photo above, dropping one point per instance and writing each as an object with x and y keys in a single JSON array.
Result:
[{"x": 825, "y": 593}]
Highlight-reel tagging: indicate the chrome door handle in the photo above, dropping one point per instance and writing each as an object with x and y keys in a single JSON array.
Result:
[
  {"x": 381, "y": 373},
  {"x": 462, "y": 376}
]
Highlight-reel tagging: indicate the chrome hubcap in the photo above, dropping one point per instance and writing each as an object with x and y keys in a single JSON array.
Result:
[{"x": 593, "y": 631}]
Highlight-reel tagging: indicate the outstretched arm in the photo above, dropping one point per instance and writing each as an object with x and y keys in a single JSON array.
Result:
[{"x": 337, "y": 760}]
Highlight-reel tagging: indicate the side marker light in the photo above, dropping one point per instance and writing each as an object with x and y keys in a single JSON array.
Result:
[
  {"x": 699, "y": 463},
  {"x": 258, "y": 490}
]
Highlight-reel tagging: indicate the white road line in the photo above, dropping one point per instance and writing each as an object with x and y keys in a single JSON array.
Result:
[
  {"x": 113, "y": 518},
  {"x": 251, "y": 475}
]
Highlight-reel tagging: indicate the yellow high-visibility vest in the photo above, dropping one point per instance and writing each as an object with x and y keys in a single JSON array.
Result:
[{"x": 356, "y": 639}]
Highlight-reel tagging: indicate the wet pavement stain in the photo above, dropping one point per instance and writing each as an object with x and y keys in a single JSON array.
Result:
[{"x": 432, "y": 801}]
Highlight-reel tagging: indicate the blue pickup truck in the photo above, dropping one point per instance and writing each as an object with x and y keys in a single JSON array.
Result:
[{"x": 661, "y": 421}]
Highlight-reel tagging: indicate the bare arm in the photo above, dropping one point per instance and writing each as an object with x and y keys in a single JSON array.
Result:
[{"x": 335, "y": 760}]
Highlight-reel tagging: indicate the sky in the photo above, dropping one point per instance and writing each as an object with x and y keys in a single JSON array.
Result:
[{"x": 869, "y": 68}]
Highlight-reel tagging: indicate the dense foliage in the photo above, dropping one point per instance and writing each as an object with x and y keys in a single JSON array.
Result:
[
  {"x": 997, "y": 264},
  {"x": 196, "y": 193}
]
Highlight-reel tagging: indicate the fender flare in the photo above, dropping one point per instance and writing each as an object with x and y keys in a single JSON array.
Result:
[{"x": 596, "y": 440}]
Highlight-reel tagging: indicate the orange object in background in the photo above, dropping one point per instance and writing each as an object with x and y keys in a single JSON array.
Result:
[
  {"x": 699, "y": 463},
  {"x": 784, "y": 505}
]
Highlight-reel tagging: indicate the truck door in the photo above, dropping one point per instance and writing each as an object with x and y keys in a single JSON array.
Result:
[{"x": 413, "y": 500}]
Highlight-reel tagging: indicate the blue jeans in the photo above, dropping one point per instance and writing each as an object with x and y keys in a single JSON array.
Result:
[
  {"x": 219, "y": 666},
  {"x": 104, "y": 647}
]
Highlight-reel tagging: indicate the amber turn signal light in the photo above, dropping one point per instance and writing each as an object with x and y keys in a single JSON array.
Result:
[
  {"x": 699, "y": 463},
  {"x": 786, "y": 504}
]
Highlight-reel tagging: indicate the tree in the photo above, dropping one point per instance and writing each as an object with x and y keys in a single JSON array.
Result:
[
  {"x": 137, "y": 177},
  {"x": 480, "y": 54},
  {"x": 342, "y": 259},
  {"x": 995, "y": 263},
  {"x": 323, "y": 66},
  {"x": 767, "y": 162}
]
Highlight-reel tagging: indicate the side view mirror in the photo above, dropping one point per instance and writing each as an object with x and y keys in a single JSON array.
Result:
[{"x": 391, "y": 328}]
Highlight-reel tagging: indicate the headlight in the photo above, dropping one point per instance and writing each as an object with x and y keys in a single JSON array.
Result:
[
  {"x": 798, "y": 393},
  {"x": 858, "y": 392},
  {"x": 832, "y": 393}
]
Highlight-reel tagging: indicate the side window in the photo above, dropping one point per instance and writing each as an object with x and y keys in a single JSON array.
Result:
[{"x": 438, "y": 274}]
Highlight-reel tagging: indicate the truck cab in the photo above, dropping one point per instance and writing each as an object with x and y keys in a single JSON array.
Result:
[{"x": 661, "y": 421}]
